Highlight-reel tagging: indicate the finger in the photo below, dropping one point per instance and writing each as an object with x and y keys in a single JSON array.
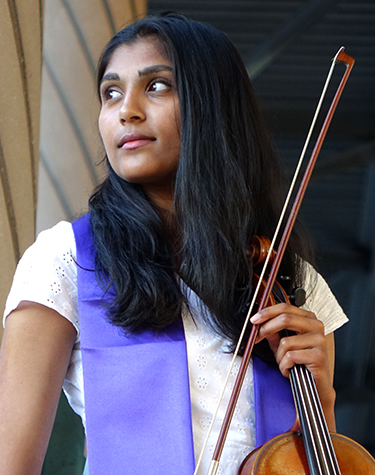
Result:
[
  {"x": 269, "y": 313},
  {"x": 295, "y": 343},
  {"x": 314, "y": 359},
  {"x": 315, "y": 362},
  {"x": 273, "y": 341},
  {"x": 285, "y": 321}
]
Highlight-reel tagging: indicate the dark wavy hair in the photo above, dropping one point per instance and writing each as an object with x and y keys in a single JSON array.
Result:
[{"x": 228, "y": 187}]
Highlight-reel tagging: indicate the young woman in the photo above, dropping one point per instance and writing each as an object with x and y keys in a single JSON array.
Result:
[{"x": 150, "y": 288}]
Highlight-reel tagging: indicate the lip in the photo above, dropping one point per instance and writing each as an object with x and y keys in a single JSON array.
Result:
[{"x": 133, "y": 140}]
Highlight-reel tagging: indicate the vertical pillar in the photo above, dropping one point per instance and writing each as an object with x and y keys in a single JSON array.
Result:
[{"x": 20, "y": 75}]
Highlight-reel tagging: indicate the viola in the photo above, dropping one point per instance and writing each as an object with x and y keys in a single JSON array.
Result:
[
  {"x": 312, "y": 449},
  {"x": 309, "y": 448},
  {"x": 286, "y": 455}
]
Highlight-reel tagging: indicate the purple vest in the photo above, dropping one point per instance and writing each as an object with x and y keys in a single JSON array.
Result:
[{"x": 137, "y": 398}]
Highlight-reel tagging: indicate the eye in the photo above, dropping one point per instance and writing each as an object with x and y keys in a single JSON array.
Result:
[
  {"x": 109, "y": 94},
  {"x": 113, "y": 94},
  {"x": 160, "y": 85}
]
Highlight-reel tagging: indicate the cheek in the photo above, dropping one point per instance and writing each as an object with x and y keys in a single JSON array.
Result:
[
  {"x": 174, "y": 131},
  {"x": 101, "y": 126},
  {"x": 104, "y": 130}
]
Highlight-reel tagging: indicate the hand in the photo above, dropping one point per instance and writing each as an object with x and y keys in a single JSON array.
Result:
[{"x": 308, "y": 346}]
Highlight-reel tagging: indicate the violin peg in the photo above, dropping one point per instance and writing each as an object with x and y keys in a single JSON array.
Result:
[{"x": 298, "y": 297}]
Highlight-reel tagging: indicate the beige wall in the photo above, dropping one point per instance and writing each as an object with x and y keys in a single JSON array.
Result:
[
  {"x": 20, "y": 59},
  {"x": 75, "y": 32}
]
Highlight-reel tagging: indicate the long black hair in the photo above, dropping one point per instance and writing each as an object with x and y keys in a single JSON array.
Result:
[{"x": 228, "y": 187}]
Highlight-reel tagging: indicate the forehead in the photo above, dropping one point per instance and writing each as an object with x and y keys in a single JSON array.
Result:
[{"x": 135, "y": 56}]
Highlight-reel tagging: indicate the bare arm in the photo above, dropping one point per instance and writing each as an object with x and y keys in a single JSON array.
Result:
[
  {"x": 34, "y": 357},
  {"x": 330, "y": 339}
]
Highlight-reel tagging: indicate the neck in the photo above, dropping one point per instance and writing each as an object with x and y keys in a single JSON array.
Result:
[
  {"x": 161, "y": 195},
  {"x": 172, "y": 233}
]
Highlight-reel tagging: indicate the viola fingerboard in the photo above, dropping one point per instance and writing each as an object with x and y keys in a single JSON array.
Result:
[{"x": 319, "y": 449}]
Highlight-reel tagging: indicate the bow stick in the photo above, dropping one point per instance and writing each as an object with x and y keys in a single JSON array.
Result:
[{"x": 342, "y": 57}]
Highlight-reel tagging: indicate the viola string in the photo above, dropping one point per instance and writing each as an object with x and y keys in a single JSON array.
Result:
[
  {"x": 315, "y": 436},
  {"x": 322, "y": 422},
  {"x": 318, "y": 433},
  {"x": 306, "y": 424}
]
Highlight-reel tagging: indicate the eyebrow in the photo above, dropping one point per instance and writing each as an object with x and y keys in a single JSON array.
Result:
[
  {"x": 110, "y": 77},
  {"x": 155, "y": 68}
]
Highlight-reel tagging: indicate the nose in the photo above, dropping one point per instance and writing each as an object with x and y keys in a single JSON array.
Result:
[{"x": 131, "y": 108}]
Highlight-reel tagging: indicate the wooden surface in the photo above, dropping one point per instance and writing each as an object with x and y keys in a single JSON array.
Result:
[{"x": 285, "y": 455}]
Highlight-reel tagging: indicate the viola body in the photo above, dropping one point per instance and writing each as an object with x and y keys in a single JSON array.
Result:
[{"x": 285, "y": 455}]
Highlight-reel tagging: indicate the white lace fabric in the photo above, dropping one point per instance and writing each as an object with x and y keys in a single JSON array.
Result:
[{"x": 47, "y": 275}]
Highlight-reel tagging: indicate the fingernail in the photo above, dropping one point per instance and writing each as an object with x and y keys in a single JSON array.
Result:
[{"x": 255, "y": 318}]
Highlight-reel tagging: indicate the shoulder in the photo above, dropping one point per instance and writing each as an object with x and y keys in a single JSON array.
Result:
[
  {"x": 54, "y": 251},
  {"x": 47, "y": 274},
  {"x": 56, "y": 244},
  {"x": 53, "y": 240}
]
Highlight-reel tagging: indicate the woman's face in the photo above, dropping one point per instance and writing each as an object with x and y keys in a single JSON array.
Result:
[{"x": 139, "y": 119}]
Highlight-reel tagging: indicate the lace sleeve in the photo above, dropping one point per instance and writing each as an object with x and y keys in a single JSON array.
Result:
[
  {"x": 47, "y": 274},
  {"x": 322, "y": 302}
]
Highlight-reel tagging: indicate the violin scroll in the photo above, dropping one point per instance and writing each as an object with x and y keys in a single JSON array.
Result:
[{"x": 259, "y": 249}]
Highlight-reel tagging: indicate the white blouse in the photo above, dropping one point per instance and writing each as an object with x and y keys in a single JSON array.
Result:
[{"x": 47, "y": 274}]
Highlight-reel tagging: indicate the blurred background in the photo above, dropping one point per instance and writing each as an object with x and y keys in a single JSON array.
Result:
[{"x": 50, "y": 149}]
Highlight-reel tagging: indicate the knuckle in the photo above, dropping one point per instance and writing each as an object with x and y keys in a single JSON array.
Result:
[
  {"x": 285, "y": 320},
  {"x": 321, "y": 340},
  {"x": 311, "y": 315},
  {"x": 284, "y": 307},
  {"x": 284, "y": 344},
  {"x": 318, "y": 360},
  {"x": 288, "y": 359}
]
